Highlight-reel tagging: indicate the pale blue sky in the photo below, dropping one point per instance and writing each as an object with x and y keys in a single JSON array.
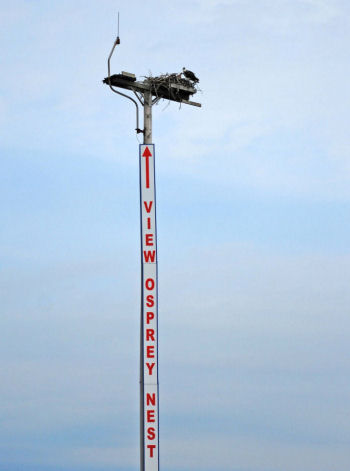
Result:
[{"x": 253, "y": 223}]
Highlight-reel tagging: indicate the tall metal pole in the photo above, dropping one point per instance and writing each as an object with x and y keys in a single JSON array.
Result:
[
  {"x": 175, "y": 88},
  {"x": 149, "y": 414},
  {"x": 147, "y": 110}
]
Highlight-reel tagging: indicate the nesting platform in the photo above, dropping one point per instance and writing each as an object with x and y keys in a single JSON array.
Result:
[{"x": 169, "y": 87}]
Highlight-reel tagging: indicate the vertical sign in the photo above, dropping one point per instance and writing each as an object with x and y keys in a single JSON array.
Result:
[{"x": 149, "y": 313}]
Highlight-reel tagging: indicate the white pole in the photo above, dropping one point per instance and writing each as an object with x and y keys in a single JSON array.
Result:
[{"x": 149, "y": 428}]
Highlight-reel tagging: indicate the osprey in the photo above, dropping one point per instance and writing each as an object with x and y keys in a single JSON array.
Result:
[{"x": 190, "y": 75}]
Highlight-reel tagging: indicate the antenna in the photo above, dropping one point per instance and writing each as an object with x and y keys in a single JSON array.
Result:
[{"x": 118, "y": 40}]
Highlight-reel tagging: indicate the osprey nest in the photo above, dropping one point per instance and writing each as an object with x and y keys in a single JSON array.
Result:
[{"x": 166, "y": 82}]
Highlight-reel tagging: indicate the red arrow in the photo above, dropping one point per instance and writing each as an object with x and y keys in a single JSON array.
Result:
[{"x": 147, "y": 154}]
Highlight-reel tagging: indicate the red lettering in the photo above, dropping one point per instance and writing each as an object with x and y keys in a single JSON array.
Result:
[
  {"x": 150, "y": 367},
  {"x": 149, "y": 316},
  {"x": 150, "y": 284},
  {"x": 149, "y": 239},
  {"x": 148, "y": 223},
  {"x": 149, "y": 206},
  {"x": 151, "y": 416},
  {"x": 150, "y": 255},
  {"x": 150, "y": 335},
  {"x": 150, "y": 300},
  {"x": 151, "y": 433},
  {"x": 151, "y": 448},
  {"x": 151, "y": 399},
  {"x": 150, "y": 351}
]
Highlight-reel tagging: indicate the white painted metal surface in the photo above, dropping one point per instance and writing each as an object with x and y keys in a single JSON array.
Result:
[{"x": 149, "y": 367}]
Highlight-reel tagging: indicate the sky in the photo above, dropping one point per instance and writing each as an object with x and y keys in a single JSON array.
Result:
[{"x": 253, "y": 200}]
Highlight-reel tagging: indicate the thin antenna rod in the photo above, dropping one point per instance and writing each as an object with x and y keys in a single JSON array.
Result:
[{"x": 116, "y": 42}]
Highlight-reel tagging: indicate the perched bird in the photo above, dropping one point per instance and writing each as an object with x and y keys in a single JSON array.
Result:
[{"x": 190, "y": 75}]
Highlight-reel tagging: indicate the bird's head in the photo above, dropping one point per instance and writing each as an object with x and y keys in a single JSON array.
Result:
[{"x": 183, "y": 69}]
